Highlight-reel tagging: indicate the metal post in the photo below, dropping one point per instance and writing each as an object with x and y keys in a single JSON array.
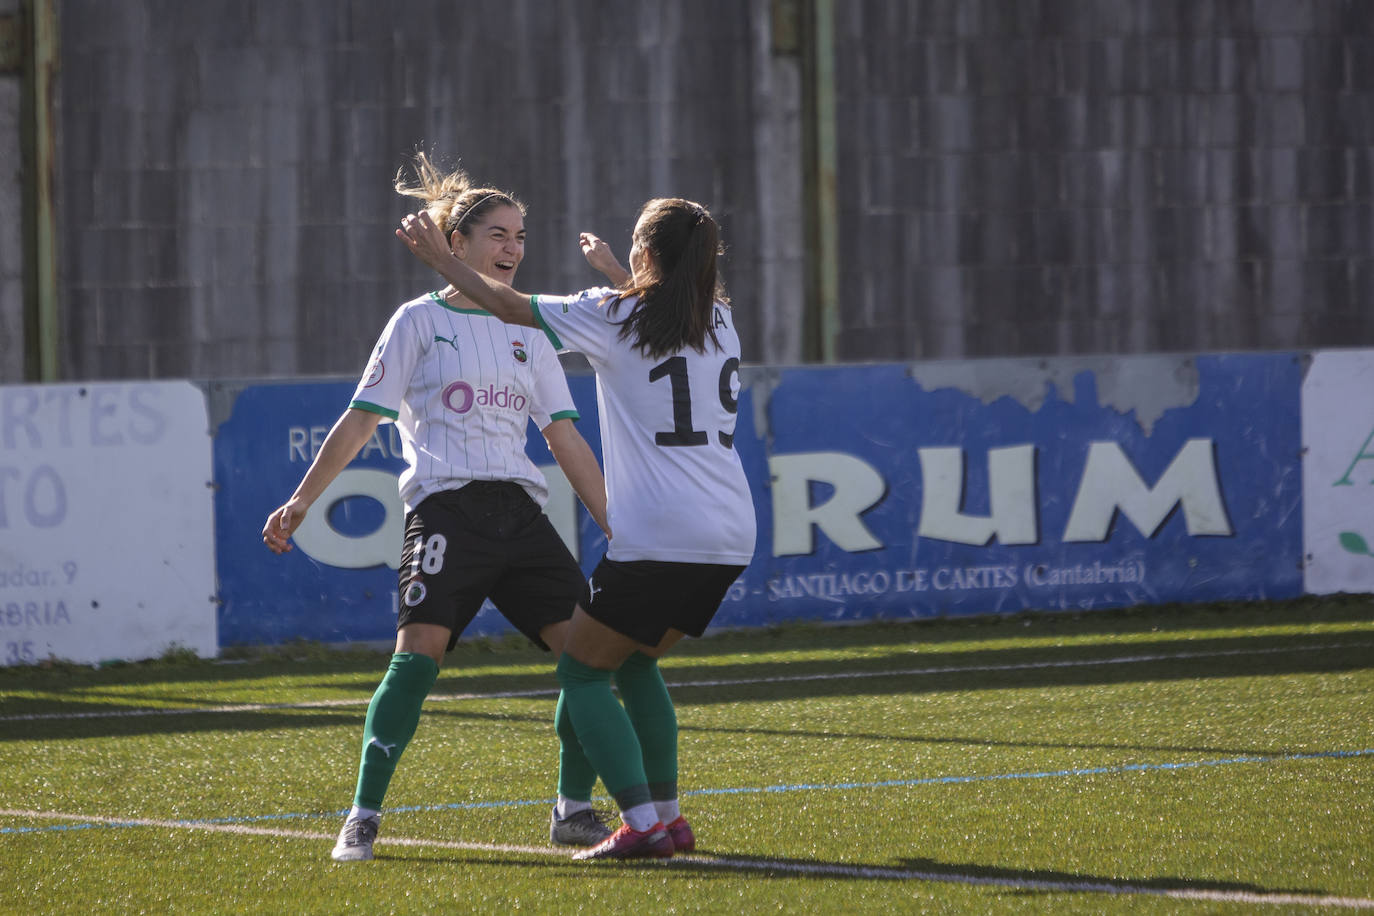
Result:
[
  {"x": 818, "y": 170},
  {"x": 42, "y": 326}
]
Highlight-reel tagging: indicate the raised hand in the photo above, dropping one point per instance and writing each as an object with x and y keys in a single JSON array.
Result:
[
  {"x": 424, "y": 239},
  {"x": 600, "y": 256}
]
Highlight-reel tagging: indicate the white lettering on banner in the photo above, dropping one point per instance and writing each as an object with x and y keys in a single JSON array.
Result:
[
  {"x": 830, "y": 586},
  {"x": 1127, "y": 572},
  {"x": 838, "y": 586},
  {"x": 1110, "y": 482},
  {"x": 390, "y": 447},
  {"x": 960, "y": 578},
  {"x": 858, "y": 487},
  {"x": 303, "y": 443},
  {"x": 913, "y": 580},
  {"x": 324, "y": 543},
  {"x": 296, "y": 439},
  {"x": 1011, "y": 497}
]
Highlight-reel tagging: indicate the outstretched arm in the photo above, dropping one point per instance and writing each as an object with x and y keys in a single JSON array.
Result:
[
  {"x": 426, "y": 241},
  {"x": 340, "y": 447}
]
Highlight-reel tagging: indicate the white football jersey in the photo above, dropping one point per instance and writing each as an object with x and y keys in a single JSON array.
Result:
[
  {"x": 462, "y": 387},
  {"x": 676, "y": 490}
]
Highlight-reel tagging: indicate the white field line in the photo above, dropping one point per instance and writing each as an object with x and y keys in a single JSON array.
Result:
[
  {"x": 761, "y": 865},
  {"x": 726, "y": 682},
  {"x": 245, "y": 830}
]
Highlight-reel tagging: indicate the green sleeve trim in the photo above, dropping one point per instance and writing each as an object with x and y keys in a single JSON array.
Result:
[
  {"x": 374, "y": 408},
  {"x": 544, "y": 325},
  {"x": 565, "y": 415}
]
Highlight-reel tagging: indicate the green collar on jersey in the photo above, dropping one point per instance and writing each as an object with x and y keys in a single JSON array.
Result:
[{"x": 453, "y": 308}]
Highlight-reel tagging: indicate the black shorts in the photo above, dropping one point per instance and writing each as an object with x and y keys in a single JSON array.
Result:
[
  {"x": 488, "y": 539},
  {"x": 644, "y": 599}
]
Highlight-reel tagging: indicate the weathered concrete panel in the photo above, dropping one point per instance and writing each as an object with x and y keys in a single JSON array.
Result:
[
  {"x": 241, "y": 154},
  {"x": 1086, "y": 176},
  {"x": 1205, "y": 165},
  {"x": 11, "y": 237}
]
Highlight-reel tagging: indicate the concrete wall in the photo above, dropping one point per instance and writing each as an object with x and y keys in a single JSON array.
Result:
[
  {"x": 1014, "y": 178},
  {"x": 227, "y": 166},
  {"x": 1104, "y": 176},
  {"x": 11, "y": 223}
]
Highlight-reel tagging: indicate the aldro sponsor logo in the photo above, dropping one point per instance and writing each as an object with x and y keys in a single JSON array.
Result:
[{"x": 460, "y": 397}]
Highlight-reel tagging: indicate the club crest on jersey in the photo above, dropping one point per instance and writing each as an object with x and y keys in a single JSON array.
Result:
[
  {"x": 518, "y": 351},
  {"x": 375, "y": 372},
  {"x": 415, "y": 593}
]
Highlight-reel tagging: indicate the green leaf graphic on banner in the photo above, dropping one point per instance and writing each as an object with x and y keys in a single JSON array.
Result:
[{"x": 1355, "y": 544}]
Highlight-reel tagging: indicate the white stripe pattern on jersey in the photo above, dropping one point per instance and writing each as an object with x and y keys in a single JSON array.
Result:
[{"x": 454, "y": 381}]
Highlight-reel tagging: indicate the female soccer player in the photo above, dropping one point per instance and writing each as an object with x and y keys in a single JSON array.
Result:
[
  {"x": 666, "y": 356},
  {"x": 461, "y": 387}
]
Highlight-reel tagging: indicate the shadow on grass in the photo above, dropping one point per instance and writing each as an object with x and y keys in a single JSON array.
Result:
[
  {"x": 1166, "y": 618},
  {"x": 720, "y": 863},
  {"x": 472, "y": 657},
  {"x": 1050, "y": 879},
  {"x": 911, "y": 665},
  {"x": 1081, "y": 664},
  {"x": 931, "y": 870}
]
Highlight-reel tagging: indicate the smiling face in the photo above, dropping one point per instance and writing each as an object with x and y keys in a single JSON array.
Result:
[{"x": 494, "y": 244}]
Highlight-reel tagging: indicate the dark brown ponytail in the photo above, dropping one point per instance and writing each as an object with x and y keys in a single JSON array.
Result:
[{"x": 675, "y": 307}]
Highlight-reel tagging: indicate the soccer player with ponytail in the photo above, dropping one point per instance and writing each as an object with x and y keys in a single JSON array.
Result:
[
  {"x": 461, "y": 387},
  {"x": 666, "y": 355}
]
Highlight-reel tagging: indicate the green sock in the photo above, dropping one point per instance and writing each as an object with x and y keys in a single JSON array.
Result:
[
  {"x": 604, "y": 730},
  {"x": 576, "y": 775},
  {"x": 651, "y": 712},
  {"x": 391, "y": 720}
]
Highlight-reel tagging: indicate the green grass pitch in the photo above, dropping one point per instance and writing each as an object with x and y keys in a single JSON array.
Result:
[{"x": 1184, "y": 759}]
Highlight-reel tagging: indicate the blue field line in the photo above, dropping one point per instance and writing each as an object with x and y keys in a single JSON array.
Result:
[
  {"x": 1044, "y": 774},
  {"x": 748, "y": 790}
]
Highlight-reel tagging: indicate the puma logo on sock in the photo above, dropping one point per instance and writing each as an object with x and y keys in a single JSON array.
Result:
[{"x": 384, "y": 748}]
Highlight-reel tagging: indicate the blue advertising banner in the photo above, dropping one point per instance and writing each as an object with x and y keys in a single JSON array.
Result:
[
  {"x": 339, "y": 584},
  {"x": 909, "y": 491},
  {"x": 888, "y": 491}
]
